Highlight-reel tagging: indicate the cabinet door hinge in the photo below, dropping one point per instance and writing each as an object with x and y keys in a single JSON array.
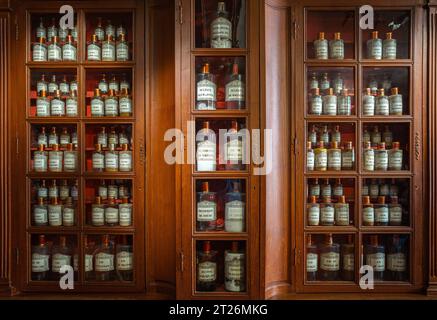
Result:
[
  {"x": 294, "y": 146},
  {"x": 182, "y": 260},
  {"x": 17, "y": 143},
  {"x": 181, "y": 12},
  {"x": 294, "y": 30},
  {"x": 17, "y": 256}
]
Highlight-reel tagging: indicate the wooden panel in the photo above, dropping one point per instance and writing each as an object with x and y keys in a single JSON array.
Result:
[
  {"x": 5, "y": 244},
  {"x": 160, "y": 176},
  {"x": 432, "y": 109},
  {"x": 276, "y": 189}
]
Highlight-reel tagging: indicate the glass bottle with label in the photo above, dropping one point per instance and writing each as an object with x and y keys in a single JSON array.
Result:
[
  {"x": 234, "y": 148},
  {"x": 374, "y": 47},
  {"x": 389, "y": 47},
  {"x": 366, "y": 136},
  {"x": 110, "y": 29},
  {"x": 103, "y": 190},
  {"x": 123, "y": 137},
  {"x": 39, "y": 50},
  {"x": 41, "y": 85},
  {"x": 374, "y": 189},
  {"x": 206, "y": 90},
  {"x": 108, "y": 49},
  {"x": 327, "y": 212},
  {"x": 235, "y": 208},
  {"x": 321, "y": 157},
  {"x": 64, "y": 138},
  {"x": 395, "y": 212},
  {"x": 54, "y": 190},
  {"x": 94, "y": 50},
  {"x": 310, "y": 157},
  {"x": 120, "y": 30},
  {"x": 97, "y": 105},
  {"x": 375, "y": 137},
  {"x": 71, "y": 107},
  {"x": 381, "y": 212},
  {"x": 43, "y": 105},
  {"x": 315, "y": 188},
  {"x": 74, "y": 86},
  {"x": 221, "y": 28},
  {"x": 70, "y": 159},
  {"x": 89, "y": 249},
  {"x": 102, "y": 138},
  {"x": 387, "y": 137},
  {"x": 348, "y": 157},
  {"x": 348, "y": 260},
  {"x": 335, "y": 135},
  {"x": 113, "y": 137},
  {"x": 53, "y": 137},
  {"x": 206, "y": 209},
  {"x": 123, "y": 190},
  {"x": 395, "y": 101},
  {"x": 55, "y": 159},
  {"x": 69, "y": 213},
  {"x": 64, "y": 190},
  {"x": 312, "y": 260},
  {"x": 368, "y": 212},
  {"x": 111, "y": 159},
  {"x": 125, "y": 159},
  {"x": 338, "y": 191},
  {"x": 206, "y": 275},
  {"x": 395, "y": 157},
  {"x": 334, "y": 157},
  {"x": 69, "y": 51},
  {"x": 313, "y": 82},
  {"x": 365, "y": 189},
  {"x": 384, "y": 188},
  {"x": 40, "y": 214},
  {"x": 124, "y": 84},
  {"x": 63, "y": 33},
  {"x": 336, "y": 47},
  {"x": 53, "y": 85},
  {"x": 74, "y": 191},
  {"x": 55, "y": 213},
  {"x": 375, "y": 257},
  {"x": 41, "y": 31},
  {"x": 125, "y": 210},
  {"x": 338, "y": 84},
  {"x": 235, "y": 90},
  {"x": 325, "y": 189},
  {"x": 381, "y": 158},
  {"x": 321, "y": 47},
  {"x": 312, "y": 136},
  {"x": 368, "y": 103},
  {"x": 98, "y": 213},
  {"x": 344, "y": 103},
  {"x": 99, "y": 31},
  {"x": 342, "y": 212},
  {"x": 111, "y": 104},
  {"x": 54, "y": 50},
  {"x": 397, "y": 260},
  {"x": 57, "y": 105},
  {"x": 111, "y": 213},
  {"x": 330, "y": 103},
  {"x": 316, "y": 103},
  {"x": 40, "y": 260},
  {"x": 206, "y": 149},
  {"x": 114, "y": 85},
  {"x": 52, "y": 30},
  {"x": 382, "y": 105},
  {"x": 313, "y": 209},
  {"x": 104, "y": 261},
  {"x": 40, "y": 159},
  {"x": 325, "y": 84},
  {"x": 113, "y": 190},
  {"x": 98, "y": 159},
  {"x": 235, "y": 273},
  {"x": 122, "y": 49},
  {"x": 125, "y": 103},
  {"x": 124, "y": 260},
  {"x": 329, "y": 260}
]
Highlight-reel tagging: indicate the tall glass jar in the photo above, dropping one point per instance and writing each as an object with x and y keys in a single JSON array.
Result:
[
  {"x": 375, "y": 257},
  {"x": 108, "y": 49},
  {"x": 221, "y": 28},
  {"x": 368, "y": 103},
  {"x": 381, "y": 158},
  {"x": 374, "y": 47},
  {"x": 312, "y": 260},
  {"x": 316, "y": 102},
  {"x": 313, "y": 212},
  {"x": 43, "y": 105},
  {"x": 321, "y": 47},
  {"x": 206, "y": 209},
  {"x": 235, "y": 273},
  {"x": 395, "y": 100},
  {"x": 389, "y": 47},
  {"x": 235, "y": 208},
  {"x": 125, "y": 159},
  {"x": 327, "y": 212},
  {"x": 336, "y": 47},
  {"x": 122, "y": 49},
  {"x": 344, "y": 104},
  {"x": 348, "y": 260},
  {"x": 382, "y": 104},
  {"x": 94, "y": 50},
  {"x": 55, "y": 159},
  {"x": 54, "y": 51},
  {"x": 97, "y": 105},
  {"x": 69, "y": 51},
  {"x": 329, "y": 260},
  {"x": 39, "y": 50}
]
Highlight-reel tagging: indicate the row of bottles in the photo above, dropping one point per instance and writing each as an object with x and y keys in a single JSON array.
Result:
[
  {"x": 381, "y": 159},
  {"x": 330, "y": 104},
  {"x": 113, "y": 189},
  {"x": 108, "y": 50},
  {"x": 333, "y": 49},
  {"x": 56, "y": 189},
  {"x": 58, "y": 213},
  {"x": 382, "y": 213},
  {"x": 379, "y": 49},
  {"x": 66, "y": 86},
  {"x": 111, "y": 214},
  {"x": 117, "y": 85},
  {"x": 115, "y": 136},
  {"x": 52, "y": 30},
  {"x": 111, "y": 105},
  {"x": 55, "y": 160},
  {"x": 381, "y": 105},
  {"x": 334, "y": 158},
  {"x": 103, "y": 31},
  {"x": 53, "y": 138},
  {"x": 57, "y": 105},
  {"x": 112, "y": 160},
  {"x": 326, "y": 133},
  {"x": 328, "y": 213},
  {"x": 54, "y": 50},
  {"x": 108, "y": 261},
  {"x": 234, "y": 268}
]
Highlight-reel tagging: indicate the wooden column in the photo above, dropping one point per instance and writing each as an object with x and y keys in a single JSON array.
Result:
[
  {"x": 5, "y": 218},
  {"x": 432, "y": 111}
]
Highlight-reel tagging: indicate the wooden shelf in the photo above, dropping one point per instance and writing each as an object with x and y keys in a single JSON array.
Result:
[
  {"x": 220, "y": 235},
  {"x": 227, "y": 113},
  {"x": 335, "y": 174},
  {"x": 108, "y": 175},
  {"x": 331, "y": 229},
  {"x": 219, "y": 52},
  {"x": 54, "y": 230},
  {"x": 55, "y": 65},
  {"x": 109, "y": 120},
  {"x": 386, "y": 229},
  {"x": 217, "y": 174},
  {"x": 109, "y": 230},
  {"x": 108, "y": 64},
  {"x": 53, "y": 175},
  {"x": 330, "y": 62},
  {"x": 311, "y": 118},
  {"x": 53, "y": 120}
]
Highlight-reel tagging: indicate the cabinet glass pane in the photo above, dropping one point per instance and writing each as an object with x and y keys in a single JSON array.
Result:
[
  {"x": 390, "y": 38},
  {"x": 331, "y": 91},
  {"x": 330, "y": 34},
  {"x": 220, "y": 24}
]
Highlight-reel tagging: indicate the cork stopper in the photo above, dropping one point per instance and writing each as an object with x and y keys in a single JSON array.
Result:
[
  {"x": 55, "y": 201},
  {"x": 111, "y": 200},
  {"x": 394, "y": 90},
  {"x": 41, "y": 148},
  {"x": 366, "y": 200},
  {"x": 98, "y": 147},
  {"x": 394, "y": 199},
  {"x": 337, "y": 35},
  {"x": 69, "y": 147},
  {"x": 43, "y": 93},
  {"x": 381, "y": 146},
  {"x": 40, "y": 201},
  {"x": 234, "y": 125},
  {"x": 321, "y": 36},
  {"x": 309, "y": 145},
  {"x": 124, "y": 91},
  {"x": 57, "y": 93},
  {"x": 41, "y": 40},
  {"x": 368, "y": 91},
  {"x": 326, "y": 199},
  {"x": 396, "y": 145},
  {"x": 122, "y": 37},
  {"x": 55, "y": 147},
  {"x": 206, "y": 125},
  {"x": 96, "y": 92},
  {"x": 321, "y": 144},
  {"x": 206, "y": 246},
  {"x": 349, "y": 145},
  {"x": 105, "y": 240},
  {"x": 69, "y": 38},
  {"x": 381, "y": 92},
  {"x": 98, "y": 200},
  {"x": 344, "y": 92},
  {"x": 205, "y": 186},
  {"x": 389, "y": 35},
  {"x": 334, "y": 145},
  {"x": 124, "y": 147},
  {"x": 313, "y": 199},
  {"x": 125, "y": 200},
  {"x": 108, "y": 37},
  {"x": 111, "y": 92},
  {"x": 341, "y": 199},
  {"x": 42, "y": 240},
  {"x": 235, "y": 69},
  {"x": 381, "y": 200},
  {"x": 221, "y": 7},
  {"x": 316, "y": 91},
  {"x": 374, "y": 34},
  {"x": 234, "y": 246},
  {"x": 111, "y": 147},
  {"x": 328, "y": 239},
  {"x": 330, "y": 92},
  {"x": 55, "y": 39},
  {"x": 94, "y": 38},
  {"x": 205, "y": 69}
]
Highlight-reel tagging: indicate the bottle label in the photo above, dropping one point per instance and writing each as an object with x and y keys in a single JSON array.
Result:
[
  {"x": 41, "y": 32},
  {"x": 63, "y": 33},
  {"x": 42, "y": 108},
  {"x": 389, "y": 49},
  {"x": 326, "y": 190},
  {"x": 108, "y": 52},
  {"x": 316, "y": 105},
  {"x": 68, "y": 216},
  {"x": 325, "y": 85},
  {"x": 40, "y": 215},
  {"x": 53, "y": 86},
  {"x": 55, "y": 215},
  {"x": 314, "y": 84},
  {"x": 97, "y": 107},
  {"x": 53, "y": 192},
  {"x": 125, "y": 215},
  {"x": 396, "y": 214},
  {"x": 57, "y": 107},
  {"x": 321, "y": 160},
  {"x": 374, "y": 190},
  {"x": 312, "y": 138},
  {"x": 111, "y": 161},
  {"x": 382, "y": 106},
  {"x": 349, "y": 262},
  {"x": 395, "y": 160},
  {"x": 98, "y": 161},
  {"x": 114, "y": 86},
  {"x": 71, "y": 107},
  {"x": 59, "y": 260},
  {"x": 122, "y": 52},
  {"x": 327, "y": 214},
  {"x": 39, "y": 53},
  {"x": 330, "y": 261},
  {"x": 206, "y": 211},
  {"x": 55, "y": 162},
  {"x": 369, "y": 105},
  {"x": 376, "y": 138},
  {"x": 125, "y": 105},
  {"x": 368, "y": 215},
  {"x": 103, "y": 86},
  {"x": 110, "y": 31},
  {"x": 69, "y": 52},
  {"x": 64, "y": 192},
  {"x": 315, "y": 190},
  {"x": 207, "y": 271},
  {"x": 381, "y": 160},
  {"x": 51, "y": 32},
  {"x": 396, "y": 262},
  {"x": 104, "y": 262},
  {"x": 334, "y": 159},
  {"x": 206, "y": 155},
  {"x": 347, "y": 160},
  {"x": 396, "y": 106},
  {"x": 111, "y": 215},
  {"x": 40, "y": 86},
  {"x": 376, "y": 50},
  {"x": 377, "y": 261},
  {"x": 384, "y": 190},
  {"x": 111, "y": 107},
  {"x": 321, "y": 47},
  {"x": 100, "y": 33},
  {"x": 344, "y": 106},
  {"x": 342, "y": 214},
  {"x": 40, "y": 262},
  {"x": 125, "y": 261},
  {"x": 381, "y": 214},
  {"x": 88, "y": 262},
  {"x": 102, "y": 139},
  {"x": 365, "y": 190},
  {"x": 234, "y": 266},
  {"x": 234, "y": 210},
  {"x": 53, "y": 139},
  {"x": 310, "y": 161},
  {"x": 221, "y": 28},
  {"x": 70, "y": 161},
  {"x": 338, "y": 191},
  {"x": 113, "y": 191},
  {"x": 314, "y": 215},
  {"x": 123, "y": 139},
  {"x": 206, "y": 90},
  {"x": 98, "y": 216},
  {"x": 124, "y": 85},
  {"x": 40, "y": 162},
  {"x": 330, "y": 105},
  {"x": 235, "y": 91},
  {"x": 103, "y": 192},
  {"x": 312, "y": 262},
  {"x": 234, "y": 150},
  {"x": 74, "y": 86},
  {"x": 54, "y": 52},
  {"x": 113, "y": 139},
  {"x": 125, "y": 161}
]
